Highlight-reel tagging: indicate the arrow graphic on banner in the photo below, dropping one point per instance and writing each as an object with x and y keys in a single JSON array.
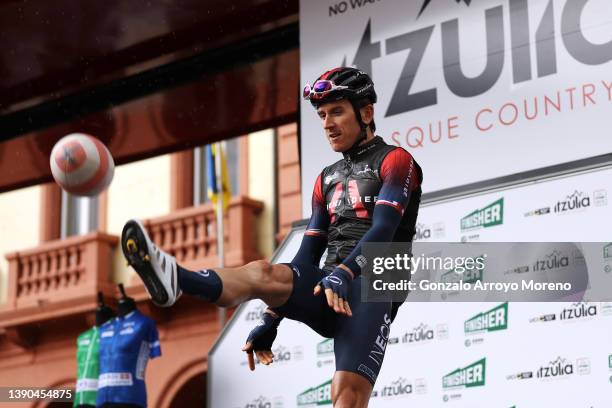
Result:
[{"x": 426, "y": 3}]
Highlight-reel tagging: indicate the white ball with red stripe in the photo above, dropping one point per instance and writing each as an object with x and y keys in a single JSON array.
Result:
[{"x": 81, "y": 164}]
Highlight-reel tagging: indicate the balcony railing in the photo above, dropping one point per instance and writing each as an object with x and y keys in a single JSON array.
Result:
[
  {"x": 190, "y": 234},
  {"x": 58, "y": 278},
  {"x": 62, "y": 278}
]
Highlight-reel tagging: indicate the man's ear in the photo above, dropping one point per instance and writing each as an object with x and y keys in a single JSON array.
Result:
[{"x": 367, "y": 113}]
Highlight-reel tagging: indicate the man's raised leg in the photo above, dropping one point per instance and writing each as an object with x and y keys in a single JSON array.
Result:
[
  {"x": 255, "y": 280},
  {"x": 165, "y": 280}
]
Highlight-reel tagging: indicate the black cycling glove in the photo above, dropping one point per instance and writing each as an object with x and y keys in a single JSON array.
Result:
[{"x": 263, "y": 335}]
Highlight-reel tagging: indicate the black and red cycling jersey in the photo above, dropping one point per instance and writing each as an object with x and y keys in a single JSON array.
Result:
[{"x": 347, "y": 192}]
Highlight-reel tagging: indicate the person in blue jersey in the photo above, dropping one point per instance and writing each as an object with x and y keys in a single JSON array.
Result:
[
  {"x": 127, "y": 342},
  {"x": 370, "y": 195}
]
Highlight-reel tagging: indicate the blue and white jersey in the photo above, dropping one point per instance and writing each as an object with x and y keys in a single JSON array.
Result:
[{"x": 126, "y": 344}]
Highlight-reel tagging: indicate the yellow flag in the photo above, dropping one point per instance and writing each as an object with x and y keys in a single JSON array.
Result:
[{"x": 212, "y": 188}]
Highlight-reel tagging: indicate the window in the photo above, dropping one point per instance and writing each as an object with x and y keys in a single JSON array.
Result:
[
  {"x": 200, "y": 179},
  {"x": 79, "y": 215}
]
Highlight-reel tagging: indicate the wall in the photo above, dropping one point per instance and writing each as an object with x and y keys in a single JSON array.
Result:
[
  {"x": 139, "y": 190},
  {"x": 262, "y": 186},
  {"x": 19, "y": 227}
]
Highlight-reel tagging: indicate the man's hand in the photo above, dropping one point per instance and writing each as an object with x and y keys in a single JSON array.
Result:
[
  {"x": 260, "y": 339},
  {"x": 336, "y": 287}
]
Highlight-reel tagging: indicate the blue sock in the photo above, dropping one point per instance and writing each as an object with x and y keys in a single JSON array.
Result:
[{"x": 205, "y": 284}]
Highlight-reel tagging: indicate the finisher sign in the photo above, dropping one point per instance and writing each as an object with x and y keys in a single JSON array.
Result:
[{"x": 494, "y": 87}]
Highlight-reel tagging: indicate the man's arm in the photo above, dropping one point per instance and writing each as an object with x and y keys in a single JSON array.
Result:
[
  {"x": 261, "y": 338},
  {"x": 315, "y": 238},
  {"x": 311, "y": 249}
]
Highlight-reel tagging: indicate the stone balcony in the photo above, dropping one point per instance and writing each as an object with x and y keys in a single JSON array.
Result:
[
  {"x": 61, "y": 279},
  {"x": 190, "y": 234}
]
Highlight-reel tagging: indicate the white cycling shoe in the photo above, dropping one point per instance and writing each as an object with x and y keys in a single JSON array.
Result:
[{"x": 156, "y": 268}]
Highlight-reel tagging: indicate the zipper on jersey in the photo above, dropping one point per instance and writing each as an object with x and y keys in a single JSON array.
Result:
[{"x": 347, "y": 196}]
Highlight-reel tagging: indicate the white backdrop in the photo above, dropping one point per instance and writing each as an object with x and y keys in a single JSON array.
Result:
[
  {"x": 554, "y": 55},
  {"x": 428, "y": 341},
  {"x": 471, "y": 129}
]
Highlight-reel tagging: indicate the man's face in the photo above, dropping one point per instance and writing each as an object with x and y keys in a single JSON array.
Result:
[{"x": 340, "y": 124}]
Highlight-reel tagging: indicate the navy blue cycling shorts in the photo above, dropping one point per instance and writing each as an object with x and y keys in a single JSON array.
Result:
[{"x": 359, "y": 341}]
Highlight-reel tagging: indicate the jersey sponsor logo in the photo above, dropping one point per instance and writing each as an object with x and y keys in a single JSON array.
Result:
[
  {"x": 109, "y": 333},
  {"x": 331, "y": 177},
  {"x": 127, "y": 330},
  {"x": 367, "y": 170},
  {"x": 115, "y": 380},
  {"x": 143, "y": 358},
  {"x": 335, "y": 201},
  {"x": 87, "y": 384},
  {"x": 357, "y": 200}
]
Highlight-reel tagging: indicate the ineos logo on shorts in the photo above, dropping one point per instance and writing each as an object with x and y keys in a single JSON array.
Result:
[{"x": 334, "y": 279}]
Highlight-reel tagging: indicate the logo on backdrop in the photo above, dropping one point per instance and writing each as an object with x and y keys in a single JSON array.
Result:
[
  {"x": 400, "y": 388},
  {"x": 265, "y": 402},
  {"x": 492, "y": 320},
  {"x": 502, "y": 69},
  {"x": 426, "y": 3},
  {"x": 325, "y": 353},
  {"x": 557, "y": 369},
  {"x": 255, "y": 314},
  {"x": 415, "y": 44},
  {"x": 578, "y": 311},
  {"x": 426, "y": 232},
  {"x": 454, "y": 277},
  {"x": 578, "y": 200},
  {"x": 283, "y": 354},
  {"x": 486, "y": 217},
  {"x": 600, "y": 198},
  {"x": 424, "y": 334},
  {"x": 315, "y": 396},
  {"x": 473, "y": 375},
  {"x": 605, "y": 308},
  {"x": 575, "y": 202},
  {"x": 555, "y": 260},
  {"x": 607, "y": 257}
]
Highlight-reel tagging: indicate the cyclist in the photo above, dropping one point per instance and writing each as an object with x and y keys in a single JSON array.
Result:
[{"x": 371, "y": 195}]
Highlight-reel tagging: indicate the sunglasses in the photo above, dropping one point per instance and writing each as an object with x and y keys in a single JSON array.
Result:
[{"x": 320, "y": 89}]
